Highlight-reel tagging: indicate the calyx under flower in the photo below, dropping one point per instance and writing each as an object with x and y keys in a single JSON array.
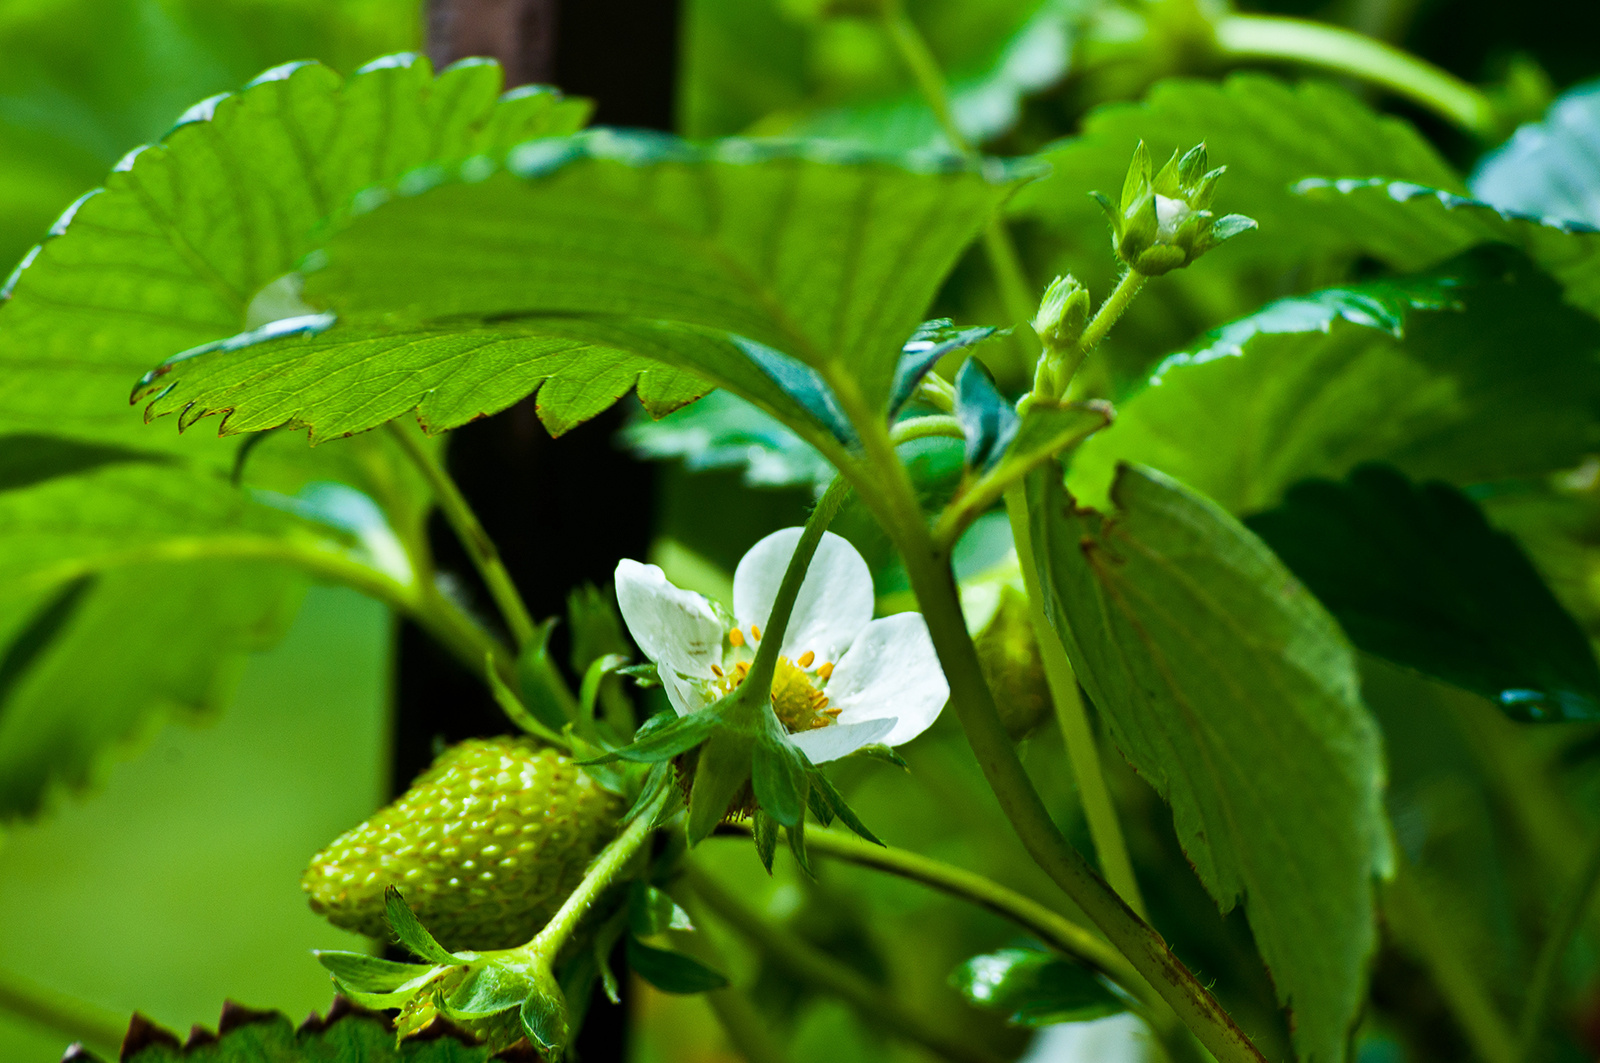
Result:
[{"x": 1164, "y": 221}]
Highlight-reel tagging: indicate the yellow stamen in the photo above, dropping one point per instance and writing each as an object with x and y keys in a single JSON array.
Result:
[
  {"x": 736, "y": 638},
  {"x": 716, "y": 670},
  {"x": 805, "y": 659},
  {"x": 826, "y": 671},
  {"x": 832, "y": 712},
  {"x": 755, "y": 632}
]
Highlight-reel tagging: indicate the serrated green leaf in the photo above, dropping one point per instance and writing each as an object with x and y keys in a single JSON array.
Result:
[
  {"x": 1260, "y": 127},
  {"x": 1315, "y": 385},
  {"x": 672, "y": 972},
  {"x": 1410, "y": 226},
  {"x": 1035, "y": 988},
  {"x": 1547, "y": 168},
  {"x": 1229, "y": 688},
  {"x": 226, "y": 204},
  {"x": 1415, "y": 574},
  {"x": 347, "y": 1034},
  {"x": 827, "y": 258}
]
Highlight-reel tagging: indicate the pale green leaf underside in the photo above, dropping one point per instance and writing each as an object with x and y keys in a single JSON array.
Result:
[
  {"x": 1316, "y": 385},
  {"x": 1269, "y": 134},
  {"x": 1234, "y": 694},
  {"x": 170, "y": 254},
  {"x": 1549, "y": 168}
]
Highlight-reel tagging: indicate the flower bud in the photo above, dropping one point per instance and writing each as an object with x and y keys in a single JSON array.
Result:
[
  {"x": 1164, "y": 221},
  {"x": 1063, "y": 313},
  {"x": 1008, "y": 654}
]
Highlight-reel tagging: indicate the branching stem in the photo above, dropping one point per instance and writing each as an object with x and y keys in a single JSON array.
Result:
[
  {"x": 485, "y": 556},
  {"x": 823, "y": 971},
  {"x": 1344, "y": 51},
  {"x": 1082, "y": 750},
  {"x": 72, "y": 1018},
  {"x": 1061, "y": 369}
]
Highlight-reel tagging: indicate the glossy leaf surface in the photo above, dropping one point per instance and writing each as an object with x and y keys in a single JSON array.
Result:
[
  {"x": 1315, "y": 385},
  {"x": 1414, "y": 573},
  {"x": 1235, "y": 695},
  {"x": 1035, "y": 988}
]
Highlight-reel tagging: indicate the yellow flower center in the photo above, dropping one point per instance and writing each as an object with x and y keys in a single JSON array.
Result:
[{"x": 796, "y": 701}]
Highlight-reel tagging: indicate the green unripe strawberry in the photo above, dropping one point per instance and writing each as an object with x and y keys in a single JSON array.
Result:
[{"x": 485, "y": 846}]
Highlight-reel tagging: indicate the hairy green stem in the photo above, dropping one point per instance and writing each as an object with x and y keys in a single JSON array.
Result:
[
  {"x": 1082, "y": 749},
  {"x": 72, "y": 1018},
  {"x": 1056, "y": 373},
  {"x": 485, "y": 556},
  {"x": 1004, "y": 262},
  {"x": 823, "y": 971},
  {"x": 923, "y": 427},
  {"x": 884, "y": 485},
  {"x": 1574, "y": 905},
  {"x": 1417, "y": 928},
  {"x": 1049, "y": 926},
  {"x": 602, "y": 871},
  {"x": 1342, "y": 51}
]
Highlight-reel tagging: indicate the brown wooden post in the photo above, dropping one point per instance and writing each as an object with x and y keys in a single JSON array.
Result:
[{"x": 562, "y": 511}]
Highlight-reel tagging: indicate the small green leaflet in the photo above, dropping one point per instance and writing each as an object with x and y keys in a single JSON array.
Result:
[
  {"x": 1035, "y": 988},
  {"x": 1257, "y": 126},
  {"x": 1414, "y": 573},
  {"x": 1235, "y": 695},
  {"x": 1548, "y": 168},
  {"x": 628, "y": 242},
  {"x": 347, "y": 1035},
  {"x": 671, "y": 972},
  {"x": 1315, "y": 385},
  {"x": 228, "y": 202}
]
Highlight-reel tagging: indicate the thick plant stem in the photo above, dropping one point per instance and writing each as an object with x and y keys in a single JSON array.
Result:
[
  {"x": 1343, "y": 51},
  {"x": 1015, "y": 292},
  {"x": 465, "y": 523},
  {"x": 1419, "y": 931},
  {"x": 1541, "y": 987},
  {"x": 71, "y": 1018},
  {"x": 884, "y": 485},
  {"x": 1082, "y": 749},
  {"x": 1051, "y": 927},
  {"x": 823, "y": 971}
]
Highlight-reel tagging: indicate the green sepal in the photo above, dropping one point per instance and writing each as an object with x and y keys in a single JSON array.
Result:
[
  {"x": 778, "y": 776},
  {"x": 672, "y": 972},
  {"x": 513, "y": 707},
  {"x": 821, "y": 810},
  {"x": 797, "y": 846},
  {"x": 644, "y": 675},
  {"x": 879, "y": 751},
  {"x": 764, "y": 829},
  {"x": 487, "y": 991},
  {"x": 369, "y": 974},
  {"x": 544, "y": 691},
  {"x": 721, "y": 773},
  {"x": 828, "y": 793},
  {"x": 544, "y": 1018},
  {"x": 411, "y": 933},
  {"x": 659, "y": 776},
  {"x": 652, "y": 912},
  {"x": 593, "y": 676},
  {"x": 661, "y": 742}
]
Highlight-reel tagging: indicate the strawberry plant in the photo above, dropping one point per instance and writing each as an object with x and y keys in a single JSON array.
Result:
[{"x": 1121, "y": 577}]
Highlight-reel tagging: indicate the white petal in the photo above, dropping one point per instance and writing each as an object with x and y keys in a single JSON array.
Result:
[
  {"x": 685, "y": 695},
  {"x": 837, "y": 740},
  {"x": 677, "y": 629},
  {"x": 835, "y": 601},
  {"x": 891, "y": 670}
]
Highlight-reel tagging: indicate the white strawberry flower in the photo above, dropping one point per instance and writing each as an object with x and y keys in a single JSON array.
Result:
[{"x": 843, "y": 680}]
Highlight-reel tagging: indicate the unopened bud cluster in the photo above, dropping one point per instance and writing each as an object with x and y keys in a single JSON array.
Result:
[
  {"x": 1063, "y": 315},
  {"x": 1164, "y": 221}
]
